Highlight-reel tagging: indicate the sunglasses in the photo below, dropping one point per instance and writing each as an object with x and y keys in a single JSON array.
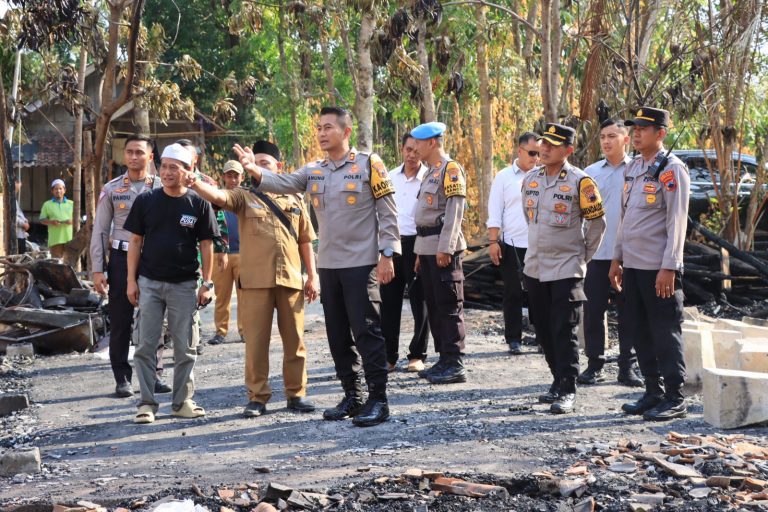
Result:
[{"x": 531, "y": 153}]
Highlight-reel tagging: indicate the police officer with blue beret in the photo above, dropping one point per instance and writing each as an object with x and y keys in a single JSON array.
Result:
[
  {"x": 439, "y": 246},
  {"x": 648, "y": 262}
]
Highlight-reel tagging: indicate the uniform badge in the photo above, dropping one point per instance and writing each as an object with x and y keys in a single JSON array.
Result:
[
  {"x": 188, "y": 221},
  {"x": 315, "y": 202},
  {"x": 354, "y": 168},
  {"x": 317, "y": 171},
  {"x": 121, "y": 190},
  {"x": 126, "y": 181},
  {"x": 429, "y": 200},
  {"x": 626, "y": 186},
  {"x": 590, "y": 203},
  {"x": 350, "y": 186},
  {"x": 122, "y": 206},
  {"x": 563, "y": 174},
  {"x": 561, "y": 207},
  {"x": 561, "y": 218},
  {"x": 314, "y": 187},
  {"x": 436, "y": 174},
  {"x": 352, "y": 156},
  {"x": 529, "y": 203},
  {"x": 351, "y": 200},
  {"x": 589, "y": 193},
  {"x": 565, "y": 188},
  {"x": 668, "y": 179},
  {"x": 453, "y": 182},
  {"x": 530, "y": 214},
  {"x": 650, "y": 199},
  {"x": 649, "y": 188},
  {"x": 533, "y": 184}
]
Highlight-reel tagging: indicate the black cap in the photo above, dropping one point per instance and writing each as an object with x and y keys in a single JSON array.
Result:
[
  {"x": 266, "y": 147},
  {"x": 558, "y": 134},
  {"x": 647, "y": 116}
]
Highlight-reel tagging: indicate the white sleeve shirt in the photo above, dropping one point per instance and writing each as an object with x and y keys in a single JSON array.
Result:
[
  {"x": 406, "y": 197},
  {"x": 505, "y": 206},
  {"x": 610, "y": 183}
]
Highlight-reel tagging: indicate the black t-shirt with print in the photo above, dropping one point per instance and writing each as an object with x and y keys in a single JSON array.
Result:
[{"x": 172, "y": 228}]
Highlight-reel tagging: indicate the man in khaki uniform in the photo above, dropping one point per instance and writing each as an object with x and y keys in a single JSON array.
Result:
[
  {"x": 277, "y": 243},
  {"x": 226, "y": 268},
  {"x": 439, "y": 245},
  {"x": 558, "y": 199},
  {"x": 353, "y": 197}
]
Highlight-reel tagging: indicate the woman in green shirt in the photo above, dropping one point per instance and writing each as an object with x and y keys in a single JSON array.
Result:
[{"x": 56, "y": 213}]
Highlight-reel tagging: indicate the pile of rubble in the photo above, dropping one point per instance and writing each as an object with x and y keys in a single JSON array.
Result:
[
  {"x": 44, "y": 304},
  {"x": 682, "y": 472}
]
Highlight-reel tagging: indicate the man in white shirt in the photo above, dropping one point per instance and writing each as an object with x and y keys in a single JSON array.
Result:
[
  {"x": 508, "y": 234},
  {"x": 609, "y": 176},
  {"x": 407, "y": 180}
]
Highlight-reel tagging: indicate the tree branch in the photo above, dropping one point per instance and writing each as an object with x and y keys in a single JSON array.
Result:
[{"x": 507, "y": 10}]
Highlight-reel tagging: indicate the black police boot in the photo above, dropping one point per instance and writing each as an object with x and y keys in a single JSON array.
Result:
[
  {"x": 629, "y": 376},
  {"x": 653, "y": 396},
  {"x": 515, "y": 347},
  {"x": 435, "y": 368},
  {"x": 672, "y": 407},
  {"x": 563, "y": 404},
  {"x": 551, "y": 395},
  {"x": 592, "y": 375},
  {"x": 452, "y": 372},
  {"x": 351, "y": 403},
  {"x": 375, "y": 410}
]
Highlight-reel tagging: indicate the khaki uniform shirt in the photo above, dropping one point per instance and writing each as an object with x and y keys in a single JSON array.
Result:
[
  {"x": 355, "y": 207},
  {"x": 559, "y": 245},
  {"x": 266, "y": 242},
  {"x": 442, "y": 198},
  {"x": 115, "y": 203},
  {"x": 654, "y": 216}
]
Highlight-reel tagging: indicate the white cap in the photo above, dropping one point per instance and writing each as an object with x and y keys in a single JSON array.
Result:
[
  {"x": 178, "y": 152},
  {"x": 58, "y": 181}
]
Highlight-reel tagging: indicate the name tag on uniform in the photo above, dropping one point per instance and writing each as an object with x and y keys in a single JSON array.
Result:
[{"x": 188, "y": 221}]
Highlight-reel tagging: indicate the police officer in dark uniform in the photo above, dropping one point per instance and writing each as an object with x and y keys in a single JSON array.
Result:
[
  {"x": 565, "y": 227},
  {"x": 439, "y": 246},
  {"x": 353, "y": 197},
  {"x": 648, "y": 262},
  {"x": 115, "y": 202}
]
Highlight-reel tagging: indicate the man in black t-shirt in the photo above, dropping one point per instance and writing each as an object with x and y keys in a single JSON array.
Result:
[{"x": 167, "y": 225}]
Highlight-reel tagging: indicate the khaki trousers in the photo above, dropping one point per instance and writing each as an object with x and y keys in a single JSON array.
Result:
[
  {"x": 223, "y": 280},
  {"x": 257, "y": 306}
]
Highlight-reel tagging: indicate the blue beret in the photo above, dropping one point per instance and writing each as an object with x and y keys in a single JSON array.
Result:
[{"x": 428, "y": 130}]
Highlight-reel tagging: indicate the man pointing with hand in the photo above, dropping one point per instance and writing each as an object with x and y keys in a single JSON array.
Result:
[{"x": 353, "y": 198}]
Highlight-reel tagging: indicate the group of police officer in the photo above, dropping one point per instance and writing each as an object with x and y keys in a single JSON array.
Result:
[{"x": 352, "y": 195}]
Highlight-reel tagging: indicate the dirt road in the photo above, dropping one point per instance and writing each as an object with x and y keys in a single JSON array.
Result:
[{"x": 492, "y": 424}]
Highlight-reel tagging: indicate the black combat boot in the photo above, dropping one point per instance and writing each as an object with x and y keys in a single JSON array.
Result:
[
  {"x": 351, "y": 403},
  {"x": 435, "y": 368},
  {"x": 566, "y": 396},
  {"x": 453, "y": 371},
  {"x": 653, "y": 396},
  {"x": 629, "y": 376},
  {"x": 551, "y": 395},
  {"x": 375, "y": 410},
  {"x": 672, "y": 407}
]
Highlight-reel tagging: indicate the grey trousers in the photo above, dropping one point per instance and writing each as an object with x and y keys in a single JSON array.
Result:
[{"x": 180, "y": 302}]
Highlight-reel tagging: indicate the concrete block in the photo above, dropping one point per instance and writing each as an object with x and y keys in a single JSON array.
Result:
[
  {"x": 727, "y": 345},
  {"x": 734, "y": 398},
  {"x": 698, "y": 353},
  {"x": 761, "y": 322},
  {"x": 20, "y": 349},
  {"x": 753, "y": 356},
  {"x": 12, "y": 403},
  {"x": 726, "y": 324},
  {"x": 13, "y": 462},
  {"x": 754, "y": 331},
  {"x": 701, "y": 326}
]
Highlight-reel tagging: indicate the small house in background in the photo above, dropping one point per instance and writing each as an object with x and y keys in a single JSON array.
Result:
[{"x": 46, "y": 151}]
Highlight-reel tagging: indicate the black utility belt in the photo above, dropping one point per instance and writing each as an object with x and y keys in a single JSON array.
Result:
[{"x": 428, "y": 230}]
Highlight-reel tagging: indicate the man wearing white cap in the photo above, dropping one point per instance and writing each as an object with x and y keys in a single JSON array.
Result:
[
  {"x": 166, "y": 225},
  {"x": 56, "y": 213}
]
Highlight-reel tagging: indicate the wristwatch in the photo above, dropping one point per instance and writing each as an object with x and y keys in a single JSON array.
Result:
[
  {"x": 388, "y": 252},
  {"x": 208, "y": 284}
]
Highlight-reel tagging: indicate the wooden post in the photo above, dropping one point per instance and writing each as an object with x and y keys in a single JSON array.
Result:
[{"x": 725, "y": 268}]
